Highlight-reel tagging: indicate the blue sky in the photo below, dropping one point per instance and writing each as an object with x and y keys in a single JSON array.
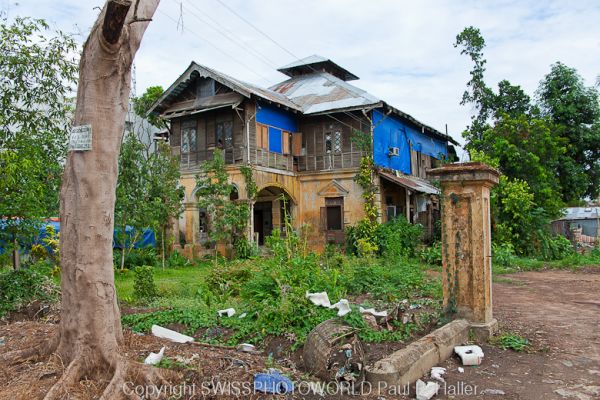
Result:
[{"x": 401, "y": 50}]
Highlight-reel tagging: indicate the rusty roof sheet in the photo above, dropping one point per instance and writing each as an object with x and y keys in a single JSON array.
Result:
[
  {"x": 201, "y": 104},
  {"x": 573, "y": 213},
  {"x": 411, "y": 182},
  {"x": 321, "y": 92}
]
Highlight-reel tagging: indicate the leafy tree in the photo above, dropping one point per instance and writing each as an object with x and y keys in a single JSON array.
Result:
[
  {"x": 575, "y": 110},
  {"x": 37, "y": 71},
  {"x": 227, "y": 218},
  {"x": 142, "y": 104},
  {"x": 164, "y": 190},
  {"x": 134, "y": 206}
]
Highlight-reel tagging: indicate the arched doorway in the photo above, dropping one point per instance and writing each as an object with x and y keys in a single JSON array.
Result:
[{"x": 273, "y": 204}]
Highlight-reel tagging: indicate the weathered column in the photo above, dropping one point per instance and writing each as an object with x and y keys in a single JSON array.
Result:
[{"x": 466, "y": 242}]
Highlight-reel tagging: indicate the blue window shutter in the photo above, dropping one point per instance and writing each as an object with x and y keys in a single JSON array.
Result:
[{"x": 275, "y": 140}]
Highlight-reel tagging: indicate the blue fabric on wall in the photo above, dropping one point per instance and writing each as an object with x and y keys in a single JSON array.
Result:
[
  {"x": 276, "y": 117},
  {"x": 426, "y": 144},
  {"x": 390, "y": 132},
  {"x": 274, "y": 140}
]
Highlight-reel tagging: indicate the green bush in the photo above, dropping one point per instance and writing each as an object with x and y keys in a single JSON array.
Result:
[
  {"x": 176, "y": 260},
  {"x": 136, "y": 258},
  {"x": 432, "y": 255},
  {"x": 21, "y": 287},
  {"x": 555, "y": 247},
  {"x": 144, "y": 287},
  {"x": 398, "y": 238},
  {"x": 503, "y": 254}
]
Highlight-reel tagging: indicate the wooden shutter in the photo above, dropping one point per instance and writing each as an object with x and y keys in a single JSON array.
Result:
[
  {"x": 297, "y": 144},
  {"x": 323, "y": 219},
  {"x": 286, "y": 142},
  {"x": 259, "y": 136},
  {"x": 265, "y": 137}
]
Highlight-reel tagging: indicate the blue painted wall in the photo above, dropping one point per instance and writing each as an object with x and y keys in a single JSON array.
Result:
[
  {"x": 277, "y": 120},
  {"x": 390, "y": 131}
]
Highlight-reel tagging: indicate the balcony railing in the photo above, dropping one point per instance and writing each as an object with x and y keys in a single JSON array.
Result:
[{"x": 329, "y": 161}]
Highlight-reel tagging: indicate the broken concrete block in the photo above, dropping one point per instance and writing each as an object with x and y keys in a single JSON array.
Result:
[
  {"x": 426, "y": 391},
  {"x": 469, "y": 355},
  {"x": 319, "y": 299},
  {"x": 173, "y": 336}
]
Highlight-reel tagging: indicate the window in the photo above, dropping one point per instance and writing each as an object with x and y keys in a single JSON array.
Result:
[
  {"x": 188, "y": 137},
  {"x": 332, "y": 215},
  {"x": 333, "y": 142},
  {"x": 224, "y": 134}
]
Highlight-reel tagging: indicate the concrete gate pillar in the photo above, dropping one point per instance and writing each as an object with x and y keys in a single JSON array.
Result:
[{"x": 466, "y": 242}]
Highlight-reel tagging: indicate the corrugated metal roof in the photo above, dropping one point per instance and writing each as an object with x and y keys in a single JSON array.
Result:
[
  {"x": 320, "y": 92},
  {"x": 572, "y": 213},
  {"x": 316, "y": 63},
  {"x": 411, "y": 183},
  {"x": 312, "y": 93}
]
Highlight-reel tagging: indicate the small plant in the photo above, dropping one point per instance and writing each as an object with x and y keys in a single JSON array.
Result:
[
  {"x": 432, "y": 255},
  {"x": 144, "y": 287},
  {"x": 176, "y": 260},
  {"x": 21, "y": 287},
  {"x": 510, "y": 340}
]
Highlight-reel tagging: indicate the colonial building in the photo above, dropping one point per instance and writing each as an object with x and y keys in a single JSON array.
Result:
[{"x": 298, "y": 138}]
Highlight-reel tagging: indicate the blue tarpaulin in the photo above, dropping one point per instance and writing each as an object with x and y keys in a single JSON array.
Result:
[
  {"x": 146, "y": 239},
  {"x": 389, "y": 132},
  {"x": 278, "y": 121}
]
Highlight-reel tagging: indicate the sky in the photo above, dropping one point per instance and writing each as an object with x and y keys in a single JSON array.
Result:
[{"x": 402, "y": 51}]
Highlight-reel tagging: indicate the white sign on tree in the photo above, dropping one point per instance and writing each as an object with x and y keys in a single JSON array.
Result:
[{"x": 81, "y": 138}]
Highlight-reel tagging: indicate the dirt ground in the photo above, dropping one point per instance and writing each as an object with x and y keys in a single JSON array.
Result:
[{"x": 558, "y": 311}]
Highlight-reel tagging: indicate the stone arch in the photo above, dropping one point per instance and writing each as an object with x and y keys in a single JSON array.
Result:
[{"x": 280, "y": 186}]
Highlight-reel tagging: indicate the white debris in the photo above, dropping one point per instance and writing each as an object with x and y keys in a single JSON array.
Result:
[
  {"x": 426, "y": 391},
  {"x": 437, "y": 373},
  {"x": 246, "y": 347},
  {"x": 492, "y": 392},
  {"x": 173, "y": 336},
  {"x": 154, "y": 358},
  {"x": 319, "y": 299},
  {"x": 470, "y": 355},
  {"x": 373, "y": 312},
  {"x": 242, "y": 315},
  {"x": 228, "y": 312},
  {"x": 343, "y": 307},
  {"x": 461, "y": 370}
]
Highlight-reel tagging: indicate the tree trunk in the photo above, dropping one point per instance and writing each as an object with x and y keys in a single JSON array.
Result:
[
  {"x": 163, "y": 234},
  {"x": 16, "y": 255},
  {"x": 90, "y": 325}
]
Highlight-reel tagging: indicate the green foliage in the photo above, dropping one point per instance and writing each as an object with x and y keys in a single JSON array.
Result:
[
  {"x": 575, "y": 110},
  {"x": 144, "y": 287},
  {"x": 21, "y": 287},
  {"x": 137, "y": 257},
  {"x": 503, "y": 254},
  {"x": 228, "y": 219},
  {"x": 398, "y": 238},
  {"x": 432, "y": 255},
  {"x": 38, "y": 70},
  {"x": 272, "y": 293},
  {"x": 142, "y": 104},
  {"x": 176, "y": 260},
  {"x": 510, "y": 340}
]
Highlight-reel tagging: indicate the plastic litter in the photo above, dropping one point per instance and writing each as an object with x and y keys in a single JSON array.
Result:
[
  {"x": 273, "y": 382},
  {"x": 426, "y": 391},
  {"x": 461, "y": 370},
  {"x": 470, "y": 355},
  {"x": 228, "y": 312},
  {"x": 373, "y": 312},
  {"x": 343, "y": 307},
  {"x": 246, "y": 347},
  {"x": 319, "y": 299},
  {"x": 154, "y": 358},
  {"x": 243, "y": 315},
  {"x": 437, "y": 373},
  {"x": 173, "y": 336}
]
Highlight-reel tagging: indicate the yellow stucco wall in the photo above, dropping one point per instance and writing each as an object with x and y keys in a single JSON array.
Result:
[{"x": 307, "y": 191}]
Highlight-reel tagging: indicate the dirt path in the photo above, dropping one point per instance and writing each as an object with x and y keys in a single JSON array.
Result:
[{"x": 559, "y": 312}]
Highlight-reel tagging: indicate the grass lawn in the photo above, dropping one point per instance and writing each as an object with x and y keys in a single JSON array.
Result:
[{"x": 182, "y": 282}]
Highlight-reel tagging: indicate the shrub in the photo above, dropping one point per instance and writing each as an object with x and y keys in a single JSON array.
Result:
[
  {"x": 21, "y": 287},
  {"x": 176, "y": 260},
  {"x": 144, "y": 287},
  {"x": 503, "y": 254},
  {"x": 244, "y": 249},
  {"x": 398, "y": 238},
  {"x": 432, "y": 255},
  {"x": 137, "y": 258}
]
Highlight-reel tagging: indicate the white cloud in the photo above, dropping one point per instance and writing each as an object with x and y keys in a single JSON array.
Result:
[{"x": 401, "y": 50}]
